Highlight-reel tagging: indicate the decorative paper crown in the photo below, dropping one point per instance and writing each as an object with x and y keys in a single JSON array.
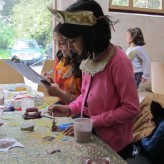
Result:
[{"x": 74, "y": 17}]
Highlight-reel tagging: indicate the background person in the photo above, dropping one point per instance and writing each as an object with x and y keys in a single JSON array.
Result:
[
  {"x": 108, "y": 94},
  {"x": 137, "y": 55}
]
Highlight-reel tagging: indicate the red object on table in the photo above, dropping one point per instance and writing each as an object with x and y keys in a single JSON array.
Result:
[{"x": 54, "y": 126}]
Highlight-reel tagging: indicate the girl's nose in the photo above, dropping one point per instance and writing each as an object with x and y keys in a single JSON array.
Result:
[{"x": 70, "y": 46}]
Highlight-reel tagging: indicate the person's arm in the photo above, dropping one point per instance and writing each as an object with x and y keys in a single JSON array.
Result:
[
  {"x": 73, "y": 108},
  {"x": 56, "y": 91},
  {"x": 47, "y": 77},
  {"x": 145, "y": 64},
  {"x": 59, "y": 111}
]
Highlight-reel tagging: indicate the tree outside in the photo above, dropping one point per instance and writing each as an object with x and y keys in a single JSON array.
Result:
[
  {"x": 151, "y": 4},
  {"x": 24, "y": 19}
]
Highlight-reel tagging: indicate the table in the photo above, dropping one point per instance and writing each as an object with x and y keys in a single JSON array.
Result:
[
  {"x": 12, "y": 90},
  {"x": 68, "y": 151}
]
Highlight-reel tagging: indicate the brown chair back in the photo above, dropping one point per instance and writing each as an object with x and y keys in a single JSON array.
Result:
[
  {"x": 47, "y": 66},
  {"x": 9, "y": 75}
]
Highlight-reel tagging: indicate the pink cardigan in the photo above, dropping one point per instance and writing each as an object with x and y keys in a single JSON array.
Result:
[{"x": 112, "y": 101}]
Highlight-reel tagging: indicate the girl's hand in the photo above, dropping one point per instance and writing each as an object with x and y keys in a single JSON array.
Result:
[
  {"x": 54, "y": 90},
  {"x": 69, "y": 131},
  {"x": 47, "y": 77},
  {"x": 59, "y": 111}
]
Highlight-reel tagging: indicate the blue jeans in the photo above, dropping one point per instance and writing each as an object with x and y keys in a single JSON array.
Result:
[
  {"x": 154, "y": 144},
  {"x": 138, "y": 77}
]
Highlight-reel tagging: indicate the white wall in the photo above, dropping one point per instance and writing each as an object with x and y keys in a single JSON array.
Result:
[
  {"x": 152, "y": 27},
  {"x": 63, "y": 4}
]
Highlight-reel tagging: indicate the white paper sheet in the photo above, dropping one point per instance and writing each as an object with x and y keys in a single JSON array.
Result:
[
  {"x": 26, "y": 71},
  {"x": 15, "y": 144}
]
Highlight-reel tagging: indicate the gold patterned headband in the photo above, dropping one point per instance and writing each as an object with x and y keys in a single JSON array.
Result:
[{"x": 74, "y": 17}]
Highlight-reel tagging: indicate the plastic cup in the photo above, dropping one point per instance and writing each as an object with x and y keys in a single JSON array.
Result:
[
  {"x": 82, "y": 129},
  {"x": 2, "y": 96},
  {"x": 26, "y": 103}
]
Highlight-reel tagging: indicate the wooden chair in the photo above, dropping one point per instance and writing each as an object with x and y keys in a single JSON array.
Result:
[
  {"x": 157, "y": 77},
  {"x": 47, "y": 66},
  {"x": 9, "y": 75}
]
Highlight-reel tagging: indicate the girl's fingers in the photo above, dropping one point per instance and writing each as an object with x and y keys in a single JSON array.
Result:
[{"x": 69, "y": 131}]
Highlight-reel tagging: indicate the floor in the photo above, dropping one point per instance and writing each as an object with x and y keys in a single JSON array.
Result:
[
  {"x": 143, "y": 159},
  {"x": 138, "y": 160}
]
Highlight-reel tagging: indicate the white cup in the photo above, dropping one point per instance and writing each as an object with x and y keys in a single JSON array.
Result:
[
  {"x": 2, "y": 96},
  {"x": 26, "y": 103},
  {"x": 82, "y": 129}
]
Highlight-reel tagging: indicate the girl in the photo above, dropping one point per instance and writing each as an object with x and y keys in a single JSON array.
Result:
[
  {"x": 68, "y": 76},
  {"x": 137, "y": 55}
]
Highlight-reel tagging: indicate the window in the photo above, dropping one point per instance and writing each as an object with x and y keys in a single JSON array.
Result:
[{"x": 138, "y": 6}]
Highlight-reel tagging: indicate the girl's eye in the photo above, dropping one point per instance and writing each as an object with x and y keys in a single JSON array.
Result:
[
  {"x": 62, "y": 42},
  {"x": 72, "y": 40}
]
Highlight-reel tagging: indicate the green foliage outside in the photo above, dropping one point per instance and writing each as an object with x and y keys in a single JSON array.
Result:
[
  {"x": 8, "y": 6},
  {"x": 6, "y": 35},
  {"x": 120, "y": 2},
  {"x": 31, "y": 19},
  {"x": 24, "y": 19},
  {"x": 4, "y": 53},
  {"x": 152, "y": 4}
]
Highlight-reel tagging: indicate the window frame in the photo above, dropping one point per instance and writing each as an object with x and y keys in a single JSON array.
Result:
[{"x": 131, "y": 9}]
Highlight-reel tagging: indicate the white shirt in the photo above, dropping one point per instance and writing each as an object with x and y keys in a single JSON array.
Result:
[{"x": 140, "y": 60}]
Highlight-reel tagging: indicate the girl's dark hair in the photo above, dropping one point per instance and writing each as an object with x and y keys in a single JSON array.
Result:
[
  {"x": 95, "y": 38},
  {"x": 73, "y": 59},
  {"x": 137, "y": 36}
]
